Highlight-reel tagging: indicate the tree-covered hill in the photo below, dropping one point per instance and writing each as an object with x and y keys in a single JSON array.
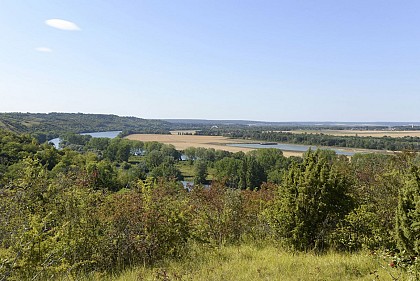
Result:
[{"x": 46, "y": 125}]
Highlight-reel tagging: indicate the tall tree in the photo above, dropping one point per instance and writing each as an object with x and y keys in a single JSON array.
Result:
[
  {"x": 200, "y": 171},
  {"x": 312, "y": 199}
]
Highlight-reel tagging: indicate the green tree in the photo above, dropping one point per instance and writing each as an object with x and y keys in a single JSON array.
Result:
[
  {"x": 103, "y": 175},
  {"x": 100, "y": 144},
  {"x": 408, "y": 214},
  {"x": 154, "y": 159},
  {"x": 169, "y": 150},
  {"x": 371, "y": 224},
  {"x": 229, "y": 170},
  {"x": 190, "y": 153},
  {"x": 312, "y": 199},
  {"x": 166, "y": 170},
  {"x": 254, "y": 173},
  {"x": 200, "y": 171}
]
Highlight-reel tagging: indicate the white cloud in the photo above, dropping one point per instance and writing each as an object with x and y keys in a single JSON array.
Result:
[
  {"x": 62, "y": 24},
  {"x": 43, "y": 49}
]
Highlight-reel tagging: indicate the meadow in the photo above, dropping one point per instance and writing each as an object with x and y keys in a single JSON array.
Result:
[{"x": 264, "y": 262}]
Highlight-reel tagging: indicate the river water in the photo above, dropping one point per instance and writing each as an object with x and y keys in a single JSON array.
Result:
[
  {"x": 108, "y": 134},
  {"x": 290, "y": 147}
]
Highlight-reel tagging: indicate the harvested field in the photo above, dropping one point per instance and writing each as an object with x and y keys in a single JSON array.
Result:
[
  {"x": 359, "y": 133},
  {"x": 182, "y": 142}
]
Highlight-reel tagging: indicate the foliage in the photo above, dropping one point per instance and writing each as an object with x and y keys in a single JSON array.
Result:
[
  {"x": 200, "y": 172},
  {"x": 217, "y": 214},
  {"x": 408, "y": 221},
  {"x": 312, "y": 200},
  {"x": 146, "y": 224},
  {"x": 108, "y": 205},
  {"x": 47, "y": 126},
  {"x": 371, "y": 224}
]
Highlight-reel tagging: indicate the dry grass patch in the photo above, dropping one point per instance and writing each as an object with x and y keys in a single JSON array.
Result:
[{"x": 182, "y": 142}]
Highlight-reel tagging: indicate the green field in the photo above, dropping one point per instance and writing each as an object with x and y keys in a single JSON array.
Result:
[{"x": 187, "y": 171}]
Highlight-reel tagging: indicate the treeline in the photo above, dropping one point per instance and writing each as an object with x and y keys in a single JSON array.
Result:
[
  {"x": 382, "y": 143},
  {"x": 48, "y": 126},
  {"x": 107, "y": 207}
]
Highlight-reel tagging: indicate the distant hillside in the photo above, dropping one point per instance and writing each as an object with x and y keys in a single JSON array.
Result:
[
  {"x": 344, "y": 125},
  {"x": 53, "y": 124}
]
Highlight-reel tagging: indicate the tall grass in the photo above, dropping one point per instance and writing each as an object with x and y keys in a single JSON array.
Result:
[{"x": 250, "y": 262}]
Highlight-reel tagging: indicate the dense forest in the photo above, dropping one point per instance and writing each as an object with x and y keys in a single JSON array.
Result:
[{"x": 102, "y": 205}]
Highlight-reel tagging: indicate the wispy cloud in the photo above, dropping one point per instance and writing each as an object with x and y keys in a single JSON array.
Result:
[
  {"x": 43, "y": 49},
  {"x": 62, "y": 24}
]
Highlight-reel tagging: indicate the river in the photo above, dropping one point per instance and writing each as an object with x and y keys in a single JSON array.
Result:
[{"x": 107, "y": 134}]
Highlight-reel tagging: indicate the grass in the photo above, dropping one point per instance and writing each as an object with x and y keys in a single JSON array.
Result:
[
  {"x": 250, "y": 262},
  {"x": 187, "y": 170}
]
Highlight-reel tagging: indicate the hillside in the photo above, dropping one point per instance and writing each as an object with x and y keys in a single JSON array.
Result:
[{"x": 53, "y": 124}]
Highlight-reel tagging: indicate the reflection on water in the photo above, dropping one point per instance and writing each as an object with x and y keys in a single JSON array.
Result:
[{"x": 108, "y": 134}]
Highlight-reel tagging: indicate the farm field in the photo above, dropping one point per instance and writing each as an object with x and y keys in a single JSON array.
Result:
[
  {"x": 182, "y": 142},
  {"x": 360, "y": 133}
]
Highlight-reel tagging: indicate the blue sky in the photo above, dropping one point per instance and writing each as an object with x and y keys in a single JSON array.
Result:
[{"x": 256, "y": 60}]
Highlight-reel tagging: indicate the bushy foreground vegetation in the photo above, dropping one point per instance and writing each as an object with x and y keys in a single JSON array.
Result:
[{"x": 107, "y": 206}]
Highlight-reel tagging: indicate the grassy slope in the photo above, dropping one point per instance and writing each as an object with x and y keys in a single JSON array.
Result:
[{"x": 266, "y": 263}]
